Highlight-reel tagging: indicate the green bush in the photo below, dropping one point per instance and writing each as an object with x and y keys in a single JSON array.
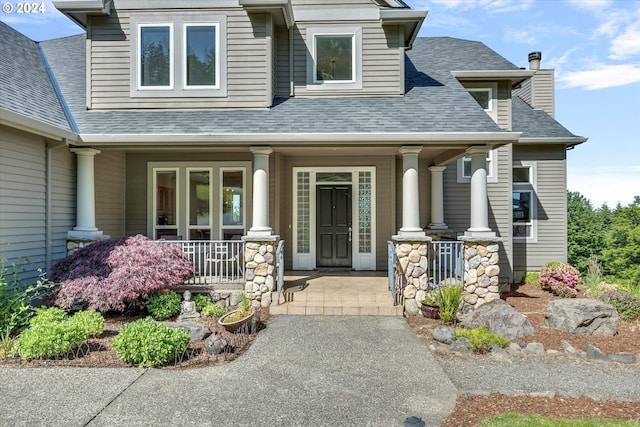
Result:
[
  {"x": 627, "y": 304},
  {"x": 481, "y": 339},
  {"x": 201, "y": 301},
  {"x": 52, "y": 333},
  {"x": 449, "y": 300},
  {"x": 213, "y": 310},
  {"x": 531, "y": 278},
  {"x": 148, "y": 343},
  {"x": 164, "y": 305}
]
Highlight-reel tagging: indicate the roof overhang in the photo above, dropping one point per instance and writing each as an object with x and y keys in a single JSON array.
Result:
[
  {"x": 568, "y": 141},
  {"x": 36, "y": 127},
  {"x": 410, "y": 19},
  {"x": 78, "y": 10},
  {"x": 281, "y": 10},
  {"x": 293, "y": 139},
  {"x": 515, "y": 76}
]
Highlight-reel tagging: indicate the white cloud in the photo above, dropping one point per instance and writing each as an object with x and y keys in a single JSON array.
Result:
[
  {"x": 559, "y": 62},
  {"x": 491, "y": 6},
  {"x": 521, "y": 35},
  {"x": 601, "y": 77},
  {"x": 627, "y": 44},
  {"x": 610, "y": 185},
  {"x": 590, "y": 5}
]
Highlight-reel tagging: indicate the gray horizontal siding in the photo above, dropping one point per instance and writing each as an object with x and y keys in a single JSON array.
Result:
[
  {"x": 247, "y": 69},
  {"x": 551, "y": 209},
  {"x": 110, "y": 192},
  {"x": 63, "y": 200}
]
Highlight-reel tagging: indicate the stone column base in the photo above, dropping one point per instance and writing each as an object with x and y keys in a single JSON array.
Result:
[
  {"x": 75, "y": 243},
  {"x": 260, "y": 268},
  {"x": 413, "y": 264},
  {"x": 481, "y": 270}
]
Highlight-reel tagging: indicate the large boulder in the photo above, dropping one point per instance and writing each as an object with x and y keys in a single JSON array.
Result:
[
  {"x": 500, "y": 318},
  {"x": 582, "y": 316}
]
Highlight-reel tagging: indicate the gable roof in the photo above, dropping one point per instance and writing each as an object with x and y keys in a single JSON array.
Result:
[{"x": 28, "y": 92}]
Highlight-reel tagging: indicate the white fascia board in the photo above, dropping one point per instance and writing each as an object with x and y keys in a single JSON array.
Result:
[
  {"x": 513, "y": 75},
  {"x": 453, "y": 138},
  {"x": 275, "y": 7},
  {"x": 411, "y": 19},
  {"x": 101, "y": 7},
  {"x": 570, "y": 140},
  {"x": 18, "y": 121}
]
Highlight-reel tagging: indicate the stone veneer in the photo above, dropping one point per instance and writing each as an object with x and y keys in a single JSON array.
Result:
[
  {"x": 260, "y": 268},
  {"x": 481, "y": 270},
  {"x": 413, "y": 264}
]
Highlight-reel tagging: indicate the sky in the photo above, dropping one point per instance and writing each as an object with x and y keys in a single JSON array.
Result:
[{"x": 593, "y": 45}]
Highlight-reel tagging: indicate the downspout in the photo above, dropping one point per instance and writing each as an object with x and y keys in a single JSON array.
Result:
[
  {"x": 292, "y": 86},
  {"x": 48, "y": 219}
]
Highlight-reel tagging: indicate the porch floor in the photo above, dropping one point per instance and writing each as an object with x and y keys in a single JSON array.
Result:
[{"x": 349, "y": 293}]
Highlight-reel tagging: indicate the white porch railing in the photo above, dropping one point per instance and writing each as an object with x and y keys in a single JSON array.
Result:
[{"x": 215, "y": 262}]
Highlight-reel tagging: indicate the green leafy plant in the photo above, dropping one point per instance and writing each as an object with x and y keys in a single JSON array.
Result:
[
  {"x": 213, "y": 309},
  {"x": 16, "y": 300},
  {"x": 51, "y": 335},
  {"x": 148, "y": 343},
  {"x": 481, "y": 339},
  {"x": 626, "y": 303},
  {"x": 449, "y": 301},
  {"x": 517, "y": 420},
  {"x": 201, "y": 301},
  {"x": 244, "y": 310},
  {"x": 163, "y": 305},
  {"x": 531, "y": 278},
  {"x": 594, "y": 277}
]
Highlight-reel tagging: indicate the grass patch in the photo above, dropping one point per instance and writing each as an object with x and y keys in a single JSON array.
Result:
[{"x": 515, "y": 420}]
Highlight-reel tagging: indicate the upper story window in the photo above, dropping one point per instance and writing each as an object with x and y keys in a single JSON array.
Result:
[
  {"x": 486, "y": 95},
  {"x": 182, "y": 58},
  {"x": 335, "y": 58},
  {"x": 464, "y": 168}
]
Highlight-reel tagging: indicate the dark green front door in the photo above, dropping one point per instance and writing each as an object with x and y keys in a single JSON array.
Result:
[{"x": 333, "y": 226}]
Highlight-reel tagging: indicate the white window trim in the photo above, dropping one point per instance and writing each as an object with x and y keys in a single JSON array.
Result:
[
  {"x": 171, "y": 58},
  {"x": 186, "y": 86},
  {"x": 325, "y": 85},
  {"x": 492, "y": 171},
  {"x": 179, "y": 22},
  {"x": 530, "y": 187},
  {"x": 359, "y": 260},
  {"x": 223, "y": 227},
  {"x": 181, "y": 168},
  {"x": 492, "y": 111},
  {"x": 153, "y": 202}
]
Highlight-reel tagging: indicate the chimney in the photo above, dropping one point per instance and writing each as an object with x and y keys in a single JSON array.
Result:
[{"x": 534, "y": 60}]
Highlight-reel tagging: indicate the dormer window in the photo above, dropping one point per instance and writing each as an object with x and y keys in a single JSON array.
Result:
[
  {"x": 483, "y": 97},
  {"x": 335, "y": 58},
  {"x": 486, "y": 95},
  {"x": 185, "y": 57}
]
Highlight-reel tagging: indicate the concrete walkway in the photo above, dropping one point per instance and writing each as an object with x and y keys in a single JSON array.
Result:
[{"x": 300, "y": 371}]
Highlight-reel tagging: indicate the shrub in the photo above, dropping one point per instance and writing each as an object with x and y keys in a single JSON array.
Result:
[
  {"x": 449, "y": 299},
  {"x": 113, "y": 274},
  {"x": 213, "y": 309},
  {"x": 201, "y": 301},
  {"x": 531, "y": 278},
  {"x": 16, "y": 300},
  {"x": 163, "y": 305},
  {"x": 594, "y": 277},
  {"x": 481, "y": 339},
  {"x": 559, "y": 278},
  {"x": 51, "y": 334},
  {"x": 148, "y": 343},
  {"x": 627, "y": 304}
]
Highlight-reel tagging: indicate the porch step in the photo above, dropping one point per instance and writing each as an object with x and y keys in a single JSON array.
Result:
[{"x": 337, "y": 294}]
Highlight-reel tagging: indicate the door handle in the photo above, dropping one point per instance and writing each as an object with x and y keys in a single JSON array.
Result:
[{"x": 350, "y": 232}]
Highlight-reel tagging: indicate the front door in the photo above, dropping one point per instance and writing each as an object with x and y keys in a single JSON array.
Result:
[{"x": 333, "y": 226}]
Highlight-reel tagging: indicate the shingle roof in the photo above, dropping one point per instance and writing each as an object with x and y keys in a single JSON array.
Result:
[
  {"x": 536, "y": 123},
  {"x": 434, "y": 102},
  {"x": 25, "y": 86}
]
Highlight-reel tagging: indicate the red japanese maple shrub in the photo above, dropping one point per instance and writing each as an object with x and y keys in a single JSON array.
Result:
[{"x": 116, "y": 273}]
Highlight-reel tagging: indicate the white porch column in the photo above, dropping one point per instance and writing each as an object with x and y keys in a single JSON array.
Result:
[
  {"x": 85, "y": 198},
  {"x": 260, "y": 226},
  {"x": 437, "y": 198},
  {"x": 410, "y": 193},
  {"x": 479, "y": 200}
]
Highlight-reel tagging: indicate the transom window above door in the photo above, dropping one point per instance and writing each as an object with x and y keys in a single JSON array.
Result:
[
  {"x": 335, "y": 58},
  {"x": 178, "y": 56}
]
